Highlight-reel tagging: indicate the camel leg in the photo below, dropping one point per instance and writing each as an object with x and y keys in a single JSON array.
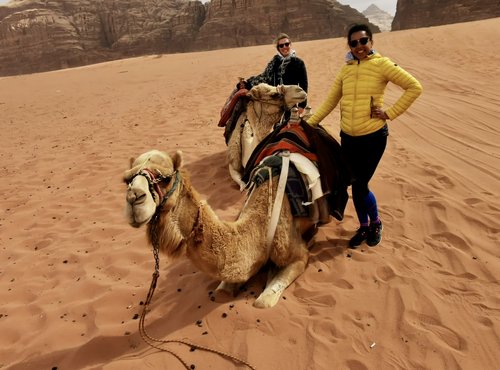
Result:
[
  {"x": 236, "y": 176},
  {"x": 225, "y": 290},
  {"x": 283, "y": 278}
]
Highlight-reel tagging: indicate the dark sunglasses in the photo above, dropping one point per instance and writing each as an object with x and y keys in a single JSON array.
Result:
[
  {"x": 362, "y": 41},
  {"x": 287, "y": 44}
]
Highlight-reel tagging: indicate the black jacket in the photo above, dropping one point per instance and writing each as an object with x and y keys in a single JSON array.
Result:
[{"x": 294, "y": 69}]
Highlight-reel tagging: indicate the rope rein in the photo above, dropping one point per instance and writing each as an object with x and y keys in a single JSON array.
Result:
[{"x": 155, "y": 342}]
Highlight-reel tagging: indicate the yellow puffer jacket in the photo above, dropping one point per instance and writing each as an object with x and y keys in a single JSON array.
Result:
[{"x": 360, "y": 85}]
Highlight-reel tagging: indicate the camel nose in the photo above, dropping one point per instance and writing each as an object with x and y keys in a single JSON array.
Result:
[{"x": 136, "y": 196}]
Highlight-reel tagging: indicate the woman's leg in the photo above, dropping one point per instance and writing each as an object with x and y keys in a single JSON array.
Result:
[{"x": 363, "y": 154}]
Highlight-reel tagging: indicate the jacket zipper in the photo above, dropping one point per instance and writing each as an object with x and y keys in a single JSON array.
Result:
[{"x": 355, "y": 96}]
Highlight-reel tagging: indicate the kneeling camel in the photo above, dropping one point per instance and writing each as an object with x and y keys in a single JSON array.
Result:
[
  {"x": 265, "y": 107},
  {"x": 160, "y": 195}
]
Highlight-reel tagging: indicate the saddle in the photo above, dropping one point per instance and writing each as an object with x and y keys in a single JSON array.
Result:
[
  {"x": 295, "y": 189},
  {"x": 318, "y": 146}
]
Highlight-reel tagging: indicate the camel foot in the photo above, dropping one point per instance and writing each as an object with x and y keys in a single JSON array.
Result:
[
  {"x": 225, "y": 291},
  {"x": 270, "y": 296}
]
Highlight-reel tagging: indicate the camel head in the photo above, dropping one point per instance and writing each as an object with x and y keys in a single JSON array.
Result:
[
  {"x": 285, "y": 95},
  {"x": 151, "y": 179}
]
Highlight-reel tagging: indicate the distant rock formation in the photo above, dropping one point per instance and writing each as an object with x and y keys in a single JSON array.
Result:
[
  {"x": 41, "y": 35},
  {"x": 379, "y": 17},
  {"x": 426, "y": 13}
]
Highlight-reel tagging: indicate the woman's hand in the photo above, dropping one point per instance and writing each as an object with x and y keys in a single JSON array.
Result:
[{"x": 379, "y": 113}]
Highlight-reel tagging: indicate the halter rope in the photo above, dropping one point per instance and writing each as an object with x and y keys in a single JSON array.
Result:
[{"x": 155, "y": 342}]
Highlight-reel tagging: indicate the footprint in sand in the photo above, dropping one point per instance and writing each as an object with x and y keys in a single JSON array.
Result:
[
  {"x": 343, "y": 284},
  {"x": 444, "y": 334},
  {"x": 435, "y": 172},
  {"x": 480, "y": 204},
  {"x": 485, "y": 321},
  {"x": 445, "y": 182},
  {"x": 356, "y": 365},
  {"x": 452, "y": 240},
  {"x": 385, "y": 273}
]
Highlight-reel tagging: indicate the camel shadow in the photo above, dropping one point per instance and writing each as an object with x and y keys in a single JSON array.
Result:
[{"x": 210, "y": 177}]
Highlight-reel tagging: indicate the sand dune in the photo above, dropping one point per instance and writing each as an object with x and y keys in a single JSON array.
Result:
[{"x": 74, "y": 274}]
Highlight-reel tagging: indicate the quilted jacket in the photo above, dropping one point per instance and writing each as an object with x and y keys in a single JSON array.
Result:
[{"x": 359, "y": 85}]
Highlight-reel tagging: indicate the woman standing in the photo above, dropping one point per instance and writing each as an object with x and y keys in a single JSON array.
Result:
[{"x": 359, "y": 87}]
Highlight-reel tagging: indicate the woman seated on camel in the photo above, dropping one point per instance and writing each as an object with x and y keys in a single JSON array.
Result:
[{"x": 285, "y": 68}]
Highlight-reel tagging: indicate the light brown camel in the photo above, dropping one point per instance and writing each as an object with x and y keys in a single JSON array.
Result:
[
  {"x": 264, "y": 109},
  {"x": 160, "y": 194}
]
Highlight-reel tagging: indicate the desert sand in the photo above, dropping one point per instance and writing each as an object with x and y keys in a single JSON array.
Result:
[{"x": 74, "y": 275}]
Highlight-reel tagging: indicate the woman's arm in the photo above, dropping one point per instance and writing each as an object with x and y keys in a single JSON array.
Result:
[
  {"x": 264, "y": 77},
  {"x": 397, "y": 75},
  {"x": 329, "y": 103}
]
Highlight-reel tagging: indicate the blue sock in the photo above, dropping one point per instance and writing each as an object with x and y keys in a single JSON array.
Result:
[
  {"x": 371, "y": 207},
  {"x": 361, "y": 213}
]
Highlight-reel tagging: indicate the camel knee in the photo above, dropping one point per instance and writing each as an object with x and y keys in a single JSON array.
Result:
[
  {"x": 236, "y": 176},
  {"x": 226, "y": 291},
  {"x": 228, "y": 288}
]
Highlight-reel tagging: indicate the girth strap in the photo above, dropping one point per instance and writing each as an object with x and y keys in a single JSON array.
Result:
[{"x": 278, "y": 201}]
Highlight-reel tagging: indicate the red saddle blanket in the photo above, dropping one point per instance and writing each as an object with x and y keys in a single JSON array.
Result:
[{"x": 227, "y": 109}]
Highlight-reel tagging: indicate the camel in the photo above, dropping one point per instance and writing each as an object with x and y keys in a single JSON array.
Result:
[
  {"x": 265, "y": 108},
  {"x": 160, "y": 195}
]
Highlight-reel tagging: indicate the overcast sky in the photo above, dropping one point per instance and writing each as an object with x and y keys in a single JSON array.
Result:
[{"x": 388, "y": 5}]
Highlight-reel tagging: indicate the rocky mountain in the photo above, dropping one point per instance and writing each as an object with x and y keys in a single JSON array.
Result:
[
  {"x": 379, "y": 17},
  {"x": 41, "y": 35},
  {"x": 426, "y": 13}
]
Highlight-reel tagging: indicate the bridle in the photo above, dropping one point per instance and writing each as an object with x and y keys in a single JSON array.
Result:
[
  {"x": 154, "y": 182},
  {"x": 280, "y": 103},
  {"x": 281, "y": 91}
]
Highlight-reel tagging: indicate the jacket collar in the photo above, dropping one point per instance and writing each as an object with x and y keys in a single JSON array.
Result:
[{"x": 351, "y": 59}]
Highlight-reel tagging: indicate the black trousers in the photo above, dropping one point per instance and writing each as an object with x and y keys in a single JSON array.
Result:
[{"x": 362, "y": 155}]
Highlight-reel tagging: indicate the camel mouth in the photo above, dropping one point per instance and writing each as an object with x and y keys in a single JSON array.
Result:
[
  {"x": 137, "y": 224},
  {"x": 137, "y": 219}
]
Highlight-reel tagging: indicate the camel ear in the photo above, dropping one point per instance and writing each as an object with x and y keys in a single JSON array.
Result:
[
  {"x": 130, "y": 172},
  {"x": 177, "y": 160},
  {"x": 253, "y": 94}
]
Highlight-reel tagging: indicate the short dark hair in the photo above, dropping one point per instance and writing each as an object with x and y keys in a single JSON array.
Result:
[{"x": 359, "y": 27}]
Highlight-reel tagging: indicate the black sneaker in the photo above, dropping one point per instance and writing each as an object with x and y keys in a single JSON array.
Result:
[
  {"x": 360, "y": 236},
  {"x": 375, "y": 234}
]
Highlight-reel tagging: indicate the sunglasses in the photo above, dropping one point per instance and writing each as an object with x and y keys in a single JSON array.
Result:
[
  {"x": 362, "y": 41},
  {"x": 286, "y": 44}
]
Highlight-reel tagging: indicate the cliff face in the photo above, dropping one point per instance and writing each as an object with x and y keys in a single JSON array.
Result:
[
  {"x": 426, "y": 13},
  {"x": 252, "y": 22},
  {"x": 44, "y": 35},
  {"x": 41, "y": 35}
]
